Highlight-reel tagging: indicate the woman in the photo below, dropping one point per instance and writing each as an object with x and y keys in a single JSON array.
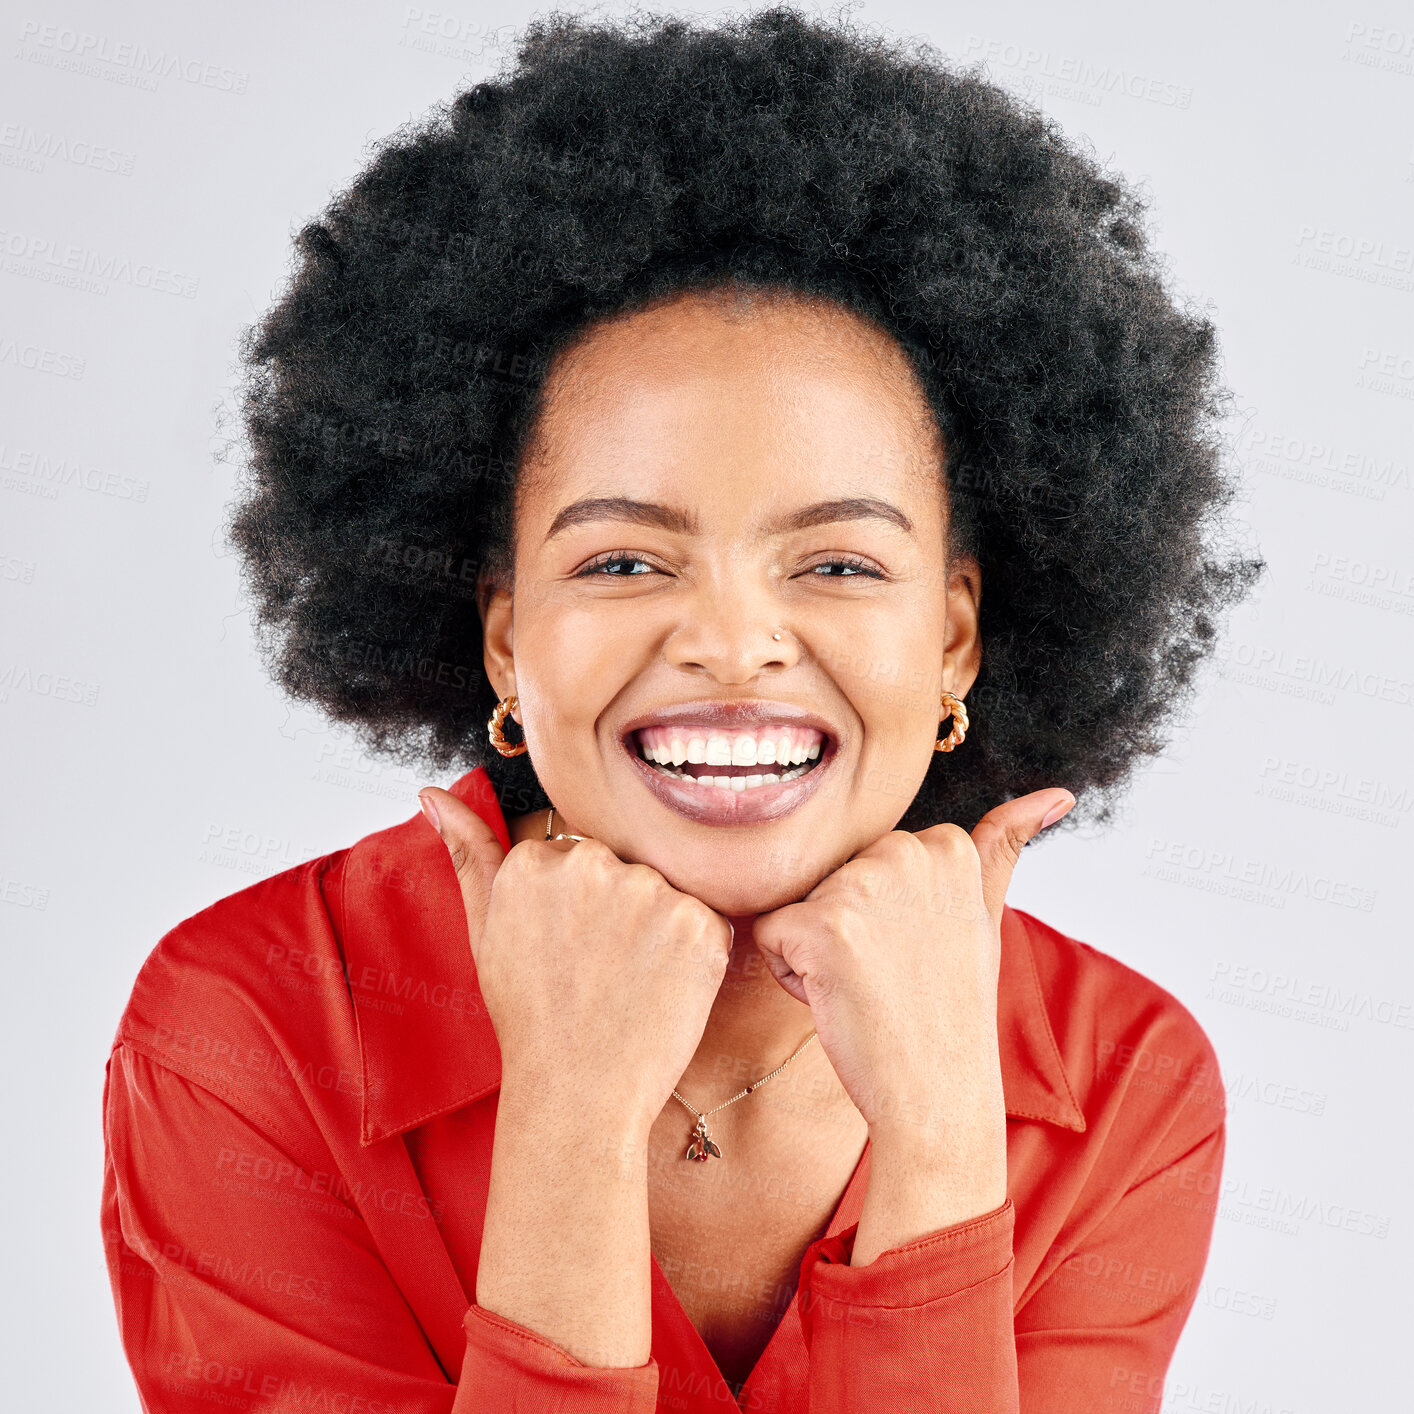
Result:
[{"x": 677, "y": 433}]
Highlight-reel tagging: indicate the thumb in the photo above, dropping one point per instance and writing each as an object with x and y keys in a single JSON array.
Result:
[
  {"x": 476, "y": 852},
  {"x": 1000, "y": 835}
]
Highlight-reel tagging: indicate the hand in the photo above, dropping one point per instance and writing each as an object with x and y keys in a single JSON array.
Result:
[
  {"x": 897, "y": 955},
  {"x": 599, "y": 976}
]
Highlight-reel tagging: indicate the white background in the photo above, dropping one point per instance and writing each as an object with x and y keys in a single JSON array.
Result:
[{"x": 1260, "y": 871}]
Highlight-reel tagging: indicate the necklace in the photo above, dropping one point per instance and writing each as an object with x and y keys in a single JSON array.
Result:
[
  {"x": 703, "y": 1146},
  {"x": 550, "y": 824}
]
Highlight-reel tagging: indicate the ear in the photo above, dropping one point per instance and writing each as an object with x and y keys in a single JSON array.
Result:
[
  {"x": 494, "y": 603},
  {"x": 962, "y": 642}
]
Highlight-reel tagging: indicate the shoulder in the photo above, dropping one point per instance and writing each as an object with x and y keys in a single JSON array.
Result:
[
  {"x": 248, "y": 997},
  {"x": 1144, "y": 1071}
]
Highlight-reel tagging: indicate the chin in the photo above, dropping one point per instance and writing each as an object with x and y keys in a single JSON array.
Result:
[{"x": 736, "y": 892}]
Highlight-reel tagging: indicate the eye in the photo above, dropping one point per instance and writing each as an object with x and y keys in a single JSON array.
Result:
[
  {"x": 612, "y": 563},
  {"x": 851, "y": 565}
]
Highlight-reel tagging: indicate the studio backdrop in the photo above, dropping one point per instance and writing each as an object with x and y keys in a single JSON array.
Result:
[{"x": 156, "y": 160}]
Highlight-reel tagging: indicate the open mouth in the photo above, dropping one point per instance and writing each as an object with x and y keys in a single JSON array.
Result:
[
  {"x": 750, "y": 762},
  {"x": 738, "y": 759}
]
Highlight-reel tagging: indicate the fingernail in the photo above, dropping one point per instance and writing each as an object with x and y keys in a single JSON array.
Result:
[
  {"x": 1056, "y": 811},
  {"x": 429, "y": 810}
]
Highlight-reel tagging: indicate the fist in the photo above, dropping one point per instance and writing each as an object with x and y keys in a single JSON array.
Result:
[{"x": 598, "y": 975}]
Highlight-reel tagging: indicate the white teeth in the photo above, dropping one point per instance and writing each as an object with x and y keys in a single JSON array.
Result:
[
  {"x": 670, "y": 752},
  {"x": 722, "y": 749},
  {"x": 734, "y": 783}
]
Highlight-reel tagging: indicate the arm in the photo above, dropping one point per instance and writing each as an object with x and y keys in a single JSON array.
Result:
[
  {"x": 274, "y": 1290},
  {"x": 566, "y": 1182},
  {"x": 929, "y": 1326}
]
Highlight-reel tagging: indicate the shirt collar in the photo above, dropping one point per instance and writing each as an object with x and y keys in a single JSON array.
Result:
[{"x": 427, "y": 1045}]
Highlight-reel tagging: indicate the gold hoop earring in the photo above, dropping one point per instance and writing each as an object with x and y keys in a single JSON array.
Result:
[
  {"x": 494, "y": 725},
  {"x": 959, "y": 723}
]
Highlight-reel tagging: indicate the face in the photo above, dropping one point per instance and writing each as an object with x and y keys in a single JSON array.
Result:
[{"x": 730, "y": 564}]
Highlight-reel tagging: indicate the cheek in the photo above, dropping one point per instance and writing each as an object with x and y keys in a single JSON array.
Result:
[
  {"x": 894, "y": 683},
  {"x": 894, "y": 687},
  {"x": 575, "y": 664}
]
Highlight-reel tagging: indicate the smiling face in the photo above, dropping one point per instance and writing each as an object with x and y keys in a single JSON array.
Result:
[{"x": 730, "y": 564}]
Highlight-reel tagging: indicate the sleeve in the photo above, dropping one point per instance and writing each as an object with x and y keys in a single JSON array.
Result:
[
  {"x": 929, "y": 1328},
  {"x": 923, "y": 1327},
  {"x": 1100, "y": 1332},
  {"x": 272, "y": 1295}
]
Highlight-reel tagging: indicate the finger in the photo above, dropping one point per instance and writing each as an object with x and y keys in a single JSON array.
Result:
[
  {"x": 476, "y": 852},
  {"x": 789, "y": 981},
  {"x": 1001, "y": 834},
  {"x": 783, "y": 946}
]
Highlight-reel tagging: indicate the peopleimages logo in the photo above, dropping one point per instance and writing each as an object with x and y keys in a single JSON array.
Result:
[
  {"x": 39, "y": 257},
  {"x": 21, "y": 145},
  {"x": 1089, "y": 81},
  {"x": 39, "y": 359},
  {"x": 69, "y": 471},
  {"x": 1177, "y": 861},
  {"x": 99, "y": 56}
]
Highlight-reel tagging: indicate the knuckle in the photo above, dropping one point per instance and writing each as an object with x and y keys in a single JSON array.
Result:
[
  {"x": 1006, "y": 837},
  {"x": 954, "y": 846},
  {"x": 872, "y": 883},
  {"x": 525, "y": 859},
  {"x": 707, "y": 932},
  {"x": 591, "y": 857},
  {"x": 953, "y": 838},
  {"x": 904, "y": 841},
  {"x": 645, "y": 881},
  {"x": 685, "y": 908}
]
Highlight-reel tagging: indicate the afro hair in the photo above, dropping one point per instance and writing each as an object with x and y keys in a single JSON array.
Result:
[{"x": 389, "y": 392}]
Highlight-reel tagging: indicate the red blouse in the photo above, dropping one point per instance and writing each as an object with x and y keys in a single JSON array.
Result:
[{"x": 298, "y": 1113}]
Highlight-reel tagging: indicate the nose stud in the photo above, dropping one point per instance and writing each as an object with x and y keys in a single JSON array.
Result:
[{"x": 776, "y": 636}]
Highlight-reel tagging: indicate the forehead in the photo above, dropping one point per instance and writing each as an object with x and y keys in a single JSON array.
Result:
[{"x": 776, "y": 395}]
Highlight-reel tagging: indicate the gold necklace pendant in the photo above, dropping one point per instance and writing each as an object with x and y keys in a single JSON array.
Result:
[{"x": 702, "y": 1148}]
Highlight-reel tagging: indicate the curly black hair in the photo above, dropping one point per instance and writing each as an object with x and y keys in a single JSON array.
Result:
[{"x": 390, "y": 391}]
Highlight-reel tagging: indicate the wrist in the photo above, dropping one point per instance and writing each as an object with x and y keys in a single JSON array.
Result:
[
  {"x": 920, "y": 1185},
  {"x": 554, "y": 1111},
  {"x": 957, "y": 1132}
]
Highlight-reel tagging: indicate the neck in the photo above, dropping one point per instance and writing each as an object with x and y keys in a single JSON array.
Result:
[{"x": 754, "y": 1025}]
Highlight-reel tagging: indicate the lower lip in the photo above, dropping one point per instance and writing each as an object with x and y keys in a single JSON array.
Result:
[{"x": 711, "y": 805}]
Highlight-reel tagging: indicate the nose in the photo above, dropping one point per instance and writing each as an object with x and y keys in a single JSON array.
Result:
[{"x": 731, "y": 635}]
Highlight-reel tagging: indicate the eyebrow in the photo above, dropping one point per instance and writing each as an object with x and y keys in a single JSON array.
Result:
[{"x": 624, "y": 508}]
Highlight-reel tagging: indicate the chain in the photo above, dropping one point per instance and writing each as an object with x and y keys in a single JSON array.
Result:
[{"x": 755, "y": 1084}]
